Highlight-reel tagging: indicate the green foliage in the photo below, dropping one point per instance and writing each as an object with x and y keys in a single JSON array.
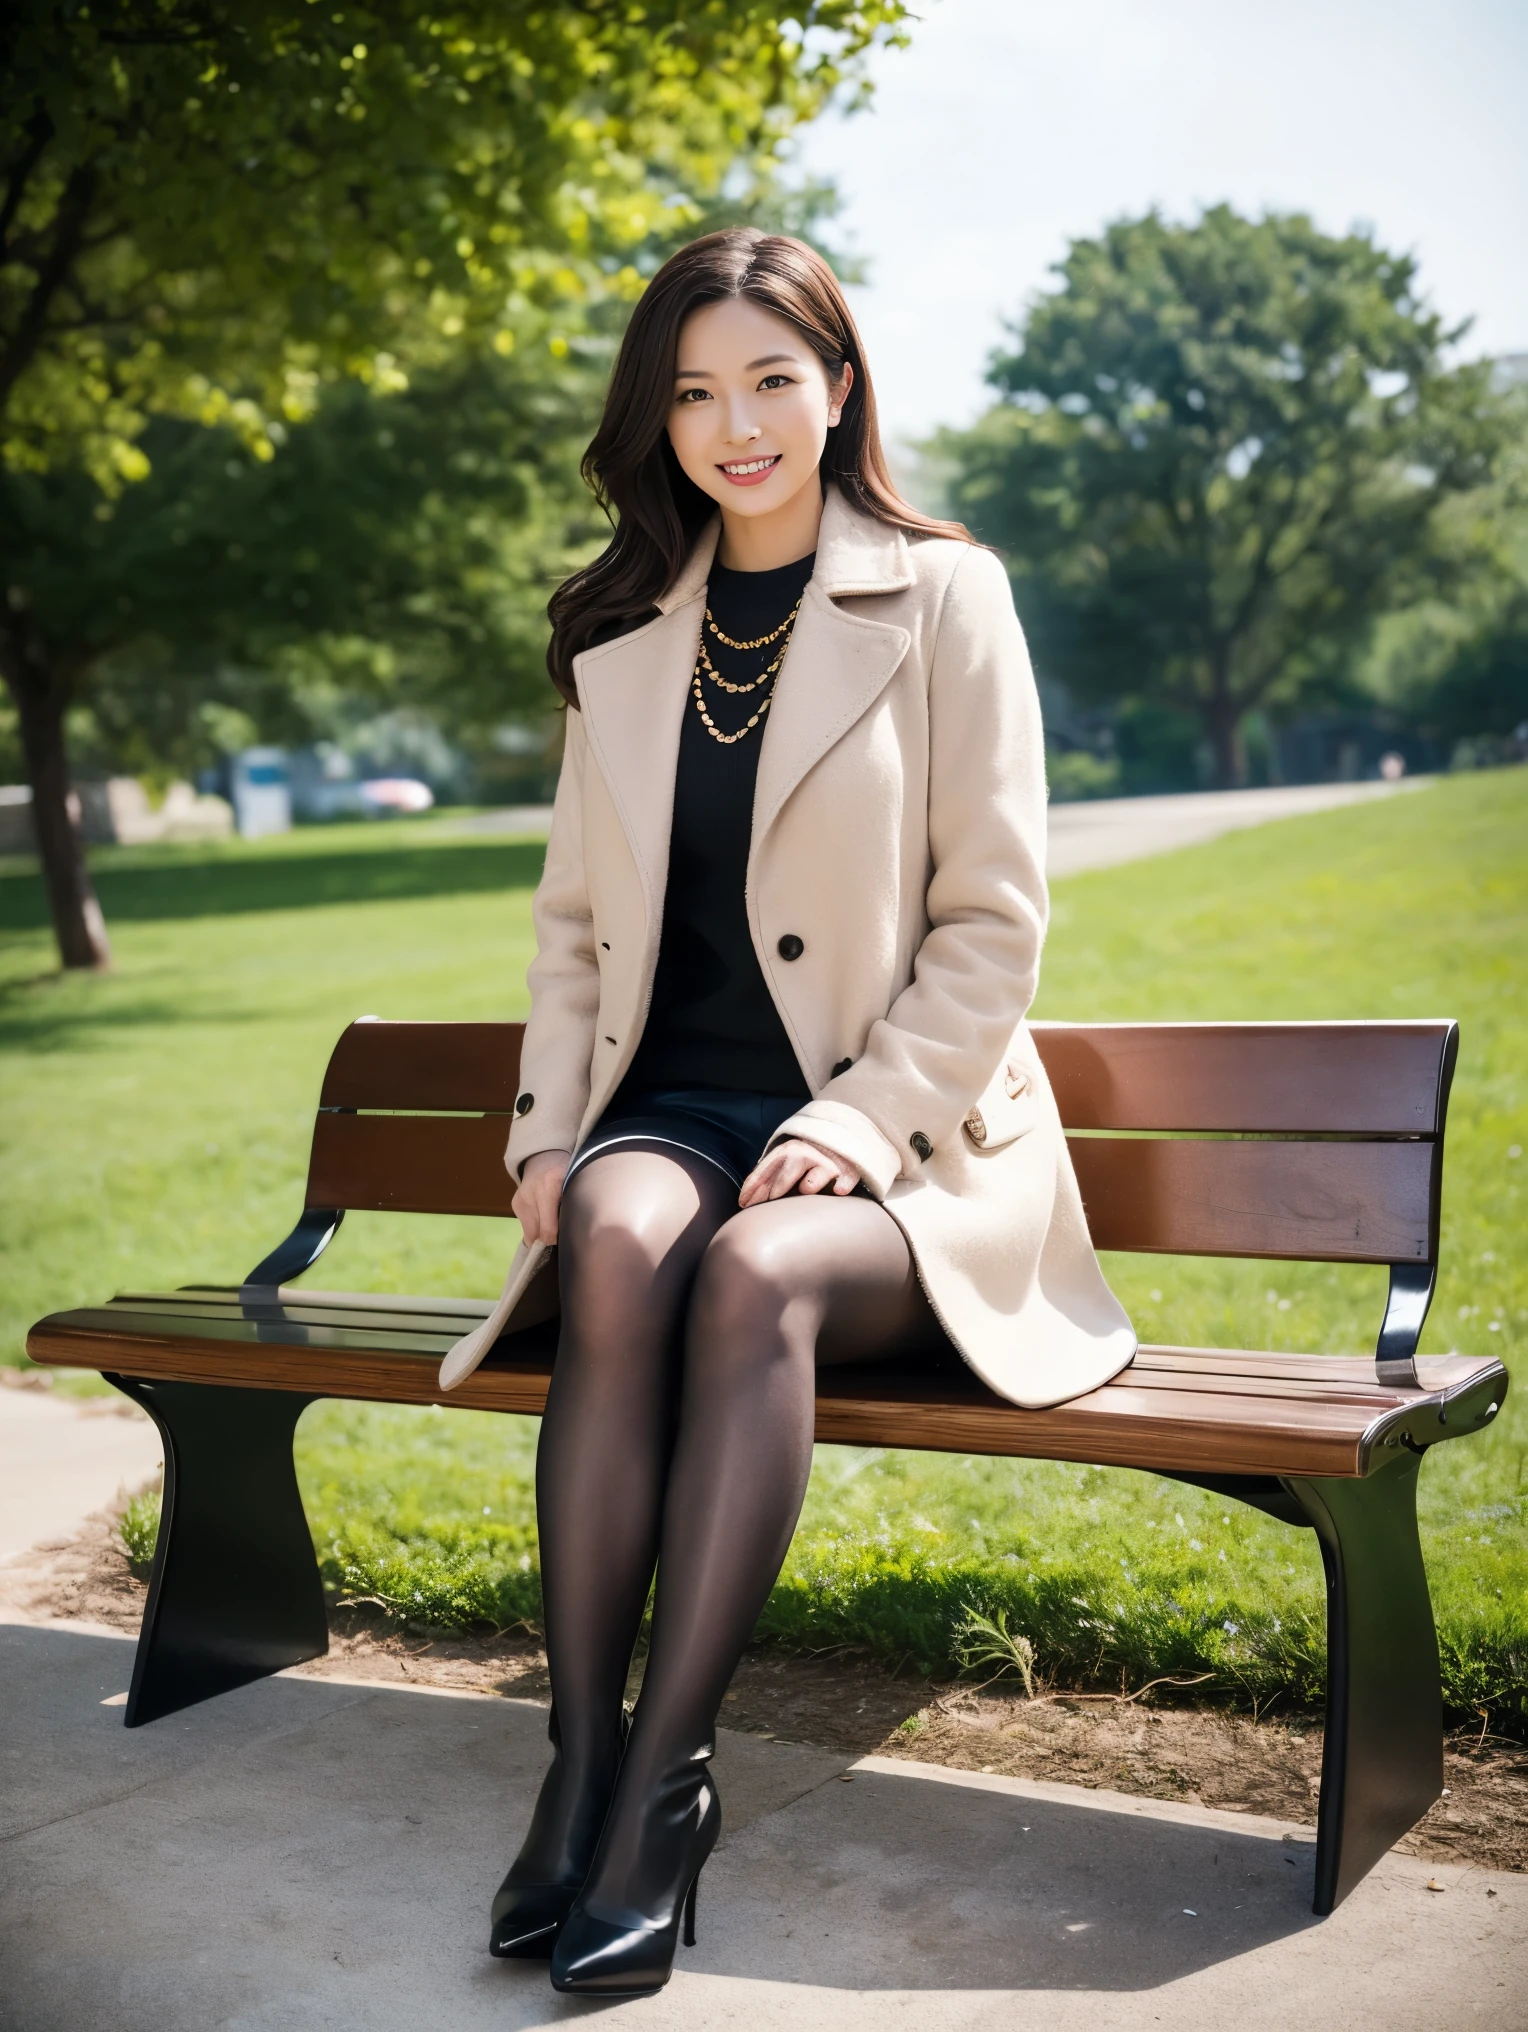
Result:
[
  {"x": 212, "y": 208},
  {"x": 154, "y": 1130},
  {"x": 1483, "y": 689},
  {"x": 1221, "y": 451},
  {"x": 1079, "y": 774},
  {"x": 140, "y": 1530},
  {"x": 986, "y": 1644},
  {"x": 397, "y": 548}
]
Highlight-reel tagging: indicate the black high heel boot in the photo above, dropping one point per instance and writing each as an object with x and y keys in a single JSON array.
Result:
[
  {"x": 542, "y": 1882},
  {"x": 606, "y": 1950}
]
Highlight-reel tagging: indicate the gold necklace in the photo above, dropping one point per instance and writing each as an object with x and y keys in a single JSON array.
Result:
[
  {"x": 704, "y": 665},
  {"x": 710, "y": 725},
  {"x": 763, "y": 641},
  {"x": 726, "y": 683}
]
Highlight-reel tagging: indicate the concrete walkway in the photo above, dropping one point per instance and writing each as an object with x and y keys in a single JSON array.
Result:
[
  {"x": 308, "y": 1854},
  {"x": 1103, "y": 832},
  {"x": 63, "y": 1458},
  {"x": 1098, "y": 833}
]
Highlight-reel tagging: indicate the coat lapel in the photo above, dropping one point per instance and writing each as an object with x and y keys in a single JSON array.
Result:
[
  {"x": 633, "y": 694},
  {"x": 838, "y": 663}
]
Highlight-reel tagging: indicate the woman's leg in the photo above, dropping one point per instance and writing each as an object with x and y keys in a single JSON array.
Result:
[
  {"x": 780, "y": 1287},
  {"x": 633, "y": 1228}
]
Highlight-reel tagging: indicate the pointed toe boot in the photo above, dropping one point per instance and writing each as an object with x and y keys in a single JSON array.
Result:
[
  {"x": 541, "y": 1885},
  {"x": 611, "y": 1950}
]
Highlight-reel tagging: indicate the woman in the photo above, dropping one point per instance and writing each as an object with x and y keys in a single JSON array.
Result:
[{"x": 778, "y": 1103}]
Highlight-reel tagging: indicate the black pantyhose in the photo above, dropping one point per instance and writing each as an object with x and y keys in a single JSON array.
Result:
[
  {"x": 679, "y": 1431},
  {"x": 632, "y": 1230}
]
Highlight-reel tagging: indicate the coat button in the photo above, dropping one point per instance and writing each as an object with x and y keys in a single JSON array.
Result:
[
  {"x": 791, "y": 947},
  {"x": 843, "y": 1065},
  {"x": 921, "y": 1145},
  {"x": 525, "y": 1103}
]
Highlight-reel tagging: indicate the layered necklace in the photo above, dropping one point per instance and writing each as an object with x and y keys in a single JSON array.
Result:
[{"x": 706, "y": 671}]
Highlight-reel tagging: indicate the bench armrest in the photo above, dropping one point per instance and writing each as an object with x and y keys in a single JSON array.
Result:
[
  {"x": 1411, "y": 1291},
  {"x": 302, "y": 1248}
]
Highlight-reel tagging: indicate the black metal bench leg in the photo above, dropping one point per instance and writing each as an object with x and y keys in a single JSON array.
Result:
[
  {"x": 235, "y": 1592},
  {"x": 1383, "y": 1763}
]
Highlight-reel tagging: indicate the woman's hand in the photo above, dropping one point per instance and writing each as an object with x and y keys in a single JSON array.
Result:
[
  {"x": 796, "y": 1166},
  {"x": 535, "y": 1204}
]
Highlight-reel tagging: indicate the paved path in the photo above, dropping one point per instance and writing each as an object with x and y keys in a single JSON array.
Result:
[
  {"x": 63, "y": 1458},
  {"x": 1098, "y": 833},
  {"x": 307, "y": 1854},
  {"x": 1103, "y": 832}
]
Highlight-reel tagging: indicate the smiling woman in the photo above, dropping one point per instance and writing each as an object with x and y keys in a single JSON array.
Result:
[{"x": 778, "y": 1105}]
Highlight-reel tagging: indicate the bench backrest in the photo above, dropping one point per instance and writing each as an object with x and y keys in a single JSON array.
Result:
[{"x": 1320, "y": 1142}]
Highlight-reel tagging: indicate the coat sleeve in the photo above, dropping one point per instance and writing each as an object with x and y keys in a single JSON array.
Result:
[
  {"x": 564, "y": 979},
  {"x": 975, "y": 975}
]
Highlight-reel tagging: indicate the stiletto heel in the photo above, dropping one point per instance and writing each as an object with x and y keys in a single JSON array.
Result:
[{"x": 689, "y": 1911}]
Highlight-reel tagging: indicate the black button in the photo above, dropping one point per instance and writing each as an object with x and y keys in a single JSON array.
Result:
[
  {"x": 791, "y": 947},
  {"x": 921, "y": 1145},
  {"x": 525, "y": 1103},
  {"x": 843, "y": 1065}
]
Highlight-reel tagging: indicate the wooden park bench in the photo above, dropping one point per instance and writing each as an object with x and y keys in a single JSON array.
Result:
[{"x": 1314, "y": 1142}]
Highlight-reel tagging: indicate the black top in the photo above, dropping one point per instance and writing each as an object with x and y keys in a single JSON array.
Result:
[{"x": 712, "y": 1022}]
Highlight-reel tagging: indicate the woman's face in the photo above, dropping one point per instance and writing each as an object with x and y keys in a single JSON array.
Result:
[{"x": 752, "y": 407}]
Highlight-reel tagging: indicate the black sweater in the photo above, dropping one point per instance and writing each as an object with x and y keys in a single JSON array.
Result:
[{"x": 712, "y": 1022}]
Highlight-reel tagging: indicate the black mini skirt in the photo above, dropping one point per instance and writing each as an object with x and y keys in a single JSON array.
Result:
[{"x": 728, "y": 1129}]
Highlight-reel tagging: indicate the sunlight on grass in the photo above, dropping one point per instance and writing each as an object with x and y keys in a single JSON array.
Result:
[{"x": 156, "y": 1124}]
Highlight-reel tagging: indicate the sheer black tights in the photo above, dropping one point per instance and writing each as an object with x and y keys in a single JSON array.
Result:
[{"x": 678, "y": 1432}]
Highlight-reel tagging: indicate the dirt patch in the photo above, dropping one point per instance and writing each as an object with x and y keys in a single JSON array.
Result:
[{"x": 1270, "y": 1767}]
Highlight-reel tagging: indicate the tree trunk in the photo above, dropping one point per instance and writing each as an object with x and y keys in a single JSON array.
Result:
[
  {"x": 41, "y": 702},
  {"x": 1222, "y": 722}
]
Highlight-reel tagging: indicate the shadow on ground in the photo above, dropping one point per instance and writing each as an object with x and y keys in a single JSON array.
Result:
[{"x": 210, "y": 885}]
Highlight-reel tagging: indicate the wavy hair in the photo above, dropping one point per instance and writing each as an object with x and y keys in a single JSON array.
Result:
[{"x": 657, "y": 510}]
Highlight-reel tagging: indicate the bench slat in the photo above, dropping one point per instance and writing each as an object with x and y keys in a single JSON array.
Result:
[
  {"x": 1374, "y": 1079},
  {"x": 436, "y": 1164},
  {"x": 1312, "y": 1202},
  {"x": 468, "y": 1067},
  {"x": 327, "y": 1325}
]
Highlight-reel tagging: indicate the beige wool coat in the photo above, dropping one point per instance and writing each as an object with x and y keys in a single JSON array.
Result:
[{"x": 899, "y": 836}]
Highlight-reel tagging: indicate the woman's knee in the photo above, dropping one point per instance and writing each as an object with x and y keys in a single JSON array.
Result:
[
  {"x": 626, "y": 1215},
  {"x": 754, "y": 1291}
]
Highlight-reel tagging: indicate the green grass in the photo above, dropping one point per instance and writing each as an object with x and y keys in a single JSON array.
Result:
[{"x": 155, "y": 1128}]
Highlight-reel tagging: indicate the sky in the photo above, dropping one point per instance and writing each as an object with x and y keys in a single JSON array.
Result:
[{"x": 1009, "y": 127}]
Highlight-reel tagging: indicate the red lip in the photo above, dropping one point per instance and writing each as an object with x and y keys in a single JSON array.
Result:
[{"x": 751, "y": 479}]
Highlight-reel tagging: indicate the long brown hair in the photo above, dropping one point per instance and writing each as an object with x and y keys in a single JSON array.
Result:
[{"x": 658, "y": 511}]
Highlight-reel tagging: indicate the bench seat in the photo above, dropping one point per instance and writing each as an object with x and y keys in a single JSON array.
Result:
[{"x": 1174, "y": 1410}]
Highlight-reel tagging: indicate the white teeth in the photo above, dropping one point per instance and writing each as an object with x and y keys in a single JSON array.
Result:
[{"x": 751, "y": 466}]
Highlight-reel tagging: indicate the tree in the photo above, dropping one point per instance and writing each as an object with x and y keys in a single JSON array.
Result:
[
  {"x": 208, "y": 211},
  {"x": 397, "y": 546},
  {"x": 1222, "y": 451}
]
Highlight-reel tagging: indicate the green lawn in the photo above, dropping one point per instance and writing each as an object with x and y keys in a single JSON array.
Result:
[{"x": 155, "y": 1128}]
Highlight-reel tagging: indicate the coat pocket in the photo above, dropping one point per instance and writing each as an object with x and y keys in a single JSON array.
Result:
[{"x": 1006, "y": 1111}]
